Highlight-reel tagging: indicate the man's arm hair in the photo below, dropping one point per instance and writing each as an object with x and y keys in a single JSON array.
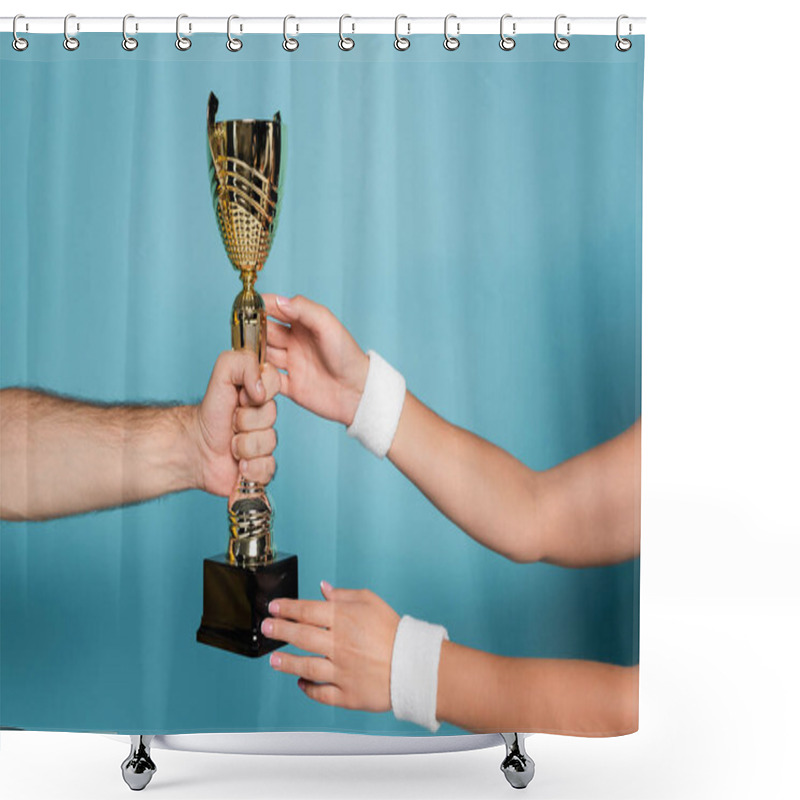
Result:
[{"x": 60, "y": 455}]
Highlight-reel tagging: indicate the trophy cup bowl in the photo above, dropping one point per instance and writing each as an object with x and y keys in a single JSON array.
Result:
[{"x": 245, "y": 171}]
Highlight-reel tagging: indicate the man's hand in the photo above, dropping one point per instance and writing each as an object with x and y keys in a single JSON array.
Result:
[
  {"x": 64, "y": 456},
  {"x": 325, "y": 369},
  {"x": 232, "y": 431},
  {"x": 353, "y": 631}
]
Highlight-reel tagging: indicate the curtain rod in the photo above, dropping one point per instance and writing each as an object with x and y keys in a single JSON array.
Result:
[{"x": 407, "y": 25}]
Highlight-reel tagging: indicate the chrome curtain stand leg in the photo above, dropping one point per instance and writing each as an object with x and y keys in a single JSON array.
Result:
[
  {"x": 517, "y": 766},
  {"x": 138, "y": 768}
]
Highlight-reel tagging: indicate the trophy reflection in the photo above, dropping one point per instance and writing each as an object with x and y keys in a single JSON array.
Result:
[{"x": 245, "y": 161}]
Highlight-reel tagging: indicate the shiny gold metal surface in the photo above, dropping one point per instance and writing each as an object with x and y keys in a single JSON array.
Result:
[
  {"x": 249, "y": 319},
  {"x": 245, "y": 158},
  {"x": 245, "y": 171}
]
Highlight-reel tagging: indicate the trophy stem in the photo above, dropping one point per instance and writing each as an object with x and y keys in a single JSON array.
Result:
[
  {"x": 248, "y": 277},
  {"x": 250, "y": 523},
  {"x": 250, "y": 513}
]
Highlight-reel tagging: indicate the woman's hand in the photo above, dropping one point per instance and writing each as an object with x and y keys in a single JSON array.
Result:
[
  {"x": 324, "y": 368},
  {"x": 353, "y": 632}
]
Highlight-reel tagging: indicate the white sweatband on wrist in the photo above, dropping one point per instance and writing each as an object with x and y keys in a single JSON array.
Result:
[
  {"x": 415, "y": 671},
  {"x": 378, "y": 413}
]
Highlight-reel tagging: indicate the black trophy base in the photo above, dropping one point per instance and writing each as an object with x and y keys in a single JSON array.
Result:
[{"x": 235, "y": 601}]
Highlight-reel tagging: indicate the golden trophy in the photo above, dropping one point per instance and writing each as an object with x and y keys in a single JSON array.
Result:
[{"x": 245, "y": 170}]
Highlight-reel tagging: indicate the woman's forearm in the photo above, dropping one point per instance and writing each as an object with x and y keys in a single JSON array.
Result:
[
  {"x": 62, "y": 456},
  {"x": 592, "y": 510},
  {"x": 582, "y": 512},
  {"x": 484, "y": 490},
  {"x": 486, "y": 693}
]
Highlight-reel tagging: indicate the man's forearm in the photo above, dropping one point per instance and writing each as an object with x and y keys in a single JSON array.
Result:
[
  {"x": 486, "y": 693},
  {"x": 62, "y": 456}
]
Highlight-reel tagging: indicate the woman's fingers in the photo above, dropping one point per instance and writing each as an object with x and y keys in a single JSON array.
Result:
[
  {"x": 275, "y": 310},
  {"x": 277, "y": 357},
  {"x": 306, "y": 637},
  {"x": 345, "y": 595},
  {"x": 325, "y": 693},
  {"x": 353, "y": 630},
  {"x": 278, "y": 335},
  {"x": 310, "y": 612},
  {"x": 296, "y": 309},
  {"x": 312, "y": 668},
  {"x": 305, "y": 311},
  {"x": 286, "y": 388}
]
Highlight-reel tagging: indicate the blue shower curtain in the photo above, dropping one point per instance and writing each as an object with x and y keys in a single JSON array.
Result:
[{"x": 474, "y": 216}]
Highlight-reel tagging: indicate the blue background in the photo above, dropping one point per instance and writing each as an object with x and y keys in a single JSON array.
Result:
[{"x": 474, "y": 216}]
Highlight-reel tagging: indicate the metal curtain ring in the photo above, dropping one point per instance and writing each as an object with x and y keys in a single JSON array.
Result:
[
  {"x": 623, "y": 45},
  {"x": 345, "y": 42},
  {"x": 400, "y": 42},
  {"x": 233, "y": 44},
  {"x": 451, "y": 42},
  {"x": 18, "y": 43},
  {"x": 70, "y": 42},
  {"x": 128, "y": 42},
  {"x": 181, "y": 42},
  {"x": 507, "y": 42},
  {"x": 289, "y": 44},
  {"x": 561, "y": 44}
]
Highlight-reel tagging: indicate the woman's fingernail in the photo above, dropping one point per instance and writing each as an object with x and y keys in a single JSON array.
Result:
[
  {"x": 326, "y": 587},
  {"x": 243, "y": 466},
  {"x": 281, "y": 300},
  {"x": 267, "y": 627},
  {"x": 274, "y": 607},
  {"x": 260, "y": 387},
  {"x": 275, "y": 660}
]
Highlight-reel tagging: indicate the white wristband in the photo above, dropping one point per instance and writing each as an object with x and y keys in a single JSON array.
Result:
[
  {"x": 378, "y": 413},
  {"x": 415, "y": 671}
]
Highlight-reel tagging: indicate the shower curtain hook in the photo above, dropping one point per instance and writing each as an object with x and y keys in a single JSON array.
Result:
[
  {"x": 561, "y": 44},
  {"x": 181, "y": 42},
  {"x": 451, "y": 42},
  {"x": 18, "y": 43},
  {"x": 345, "y": 42},
  {"x": 128, "y": 42},
  {"x": 233, "y": 44},
  {"x": 623, "y": 45},
  {"x": 289, "y": 44},
  {"x": 507, "y": 42},
  {"x": 400, "y": 42},
  {"x": 70, "y": 42}
]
